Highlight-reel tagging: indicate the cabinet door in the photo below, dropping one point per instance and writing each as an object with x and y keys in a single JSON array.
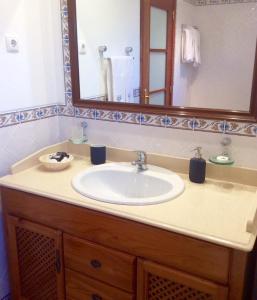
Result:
[
  {"x": 156, "y": 282},
  {"x": 35, "y": 257}
]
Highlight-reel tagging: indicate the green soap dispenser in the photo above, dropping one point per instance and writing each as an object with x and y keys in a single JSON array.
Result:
[{"x": 197, "y": 167}]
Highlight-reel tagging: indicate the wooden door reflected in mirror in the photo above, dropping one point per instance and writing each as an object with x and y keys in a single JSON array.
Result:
[{"x": 157, "y": 48}]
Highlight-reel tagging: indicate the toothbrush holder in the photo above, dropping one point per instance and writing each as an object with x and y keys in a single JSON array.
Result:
[{"x": 98, "y": 154}]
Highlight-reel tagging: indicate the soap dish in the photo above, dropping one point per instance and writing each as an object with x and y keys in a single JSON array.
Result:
[
  {"x": 79, "y": 141},
  {"x": 54, "y": 165},
  {"x": 221, "y": 160}
]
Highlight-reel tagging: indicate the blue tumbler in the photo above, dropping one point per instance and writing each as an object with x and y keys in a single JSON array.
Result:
[{"x": 98, "y": 154}]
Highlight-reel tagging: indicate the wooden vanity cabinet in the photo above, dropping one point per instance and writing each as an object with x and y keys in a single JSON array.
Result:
[{"x": 61, "y": 251}]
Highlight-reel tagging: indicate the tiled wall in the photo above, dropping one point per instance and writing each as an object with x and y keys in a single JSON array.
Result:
[
  {"x": 155, "y": 139},
  {"x": 23, "y": 139},
  {"x": 192, "y": 124}
]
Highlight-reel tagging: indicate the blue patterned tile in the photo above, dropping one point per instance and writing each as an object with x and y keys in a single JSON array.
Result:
[
  {"x": 68, "y": 111},
  {"x": 28, "y": 115},
  {"x": 68, "y": 84},
  {"x": 90, "y": 113},
  {"x": 49, "y": 111},
  {"x": 152, "y": 120},
  {"x": 216, "y": 126},
  {"x": 63, "y": 5},
  {"x": 9, "y": 119},
  {"x": 201, "y": 124},
  {"x": 66, "y": 56},
  {"x": 237, "y": 128},
  {"x": 179, "y": 123},
  {"x": 112, "y": 116}
]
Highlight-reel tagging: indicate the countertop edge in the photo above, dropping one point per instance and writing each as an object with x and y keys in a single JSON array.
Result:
[{"x": 225, "y": 243}]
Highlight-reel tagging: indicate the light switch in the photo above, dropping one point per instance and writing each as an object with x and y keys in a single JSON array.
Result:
[
  {"x": 12, "y": 44},
  {"x": 82, "y": 47}
]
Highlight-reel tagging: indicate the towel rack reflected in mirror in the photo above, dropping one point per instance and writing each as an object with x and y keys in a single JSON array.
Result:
[
  {"x": 102, "y": 49},
  {"x": 128, "y": 50}
]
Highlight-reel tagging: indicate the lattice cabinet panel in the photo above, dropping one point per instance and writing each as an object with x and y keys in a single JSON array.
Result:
[
  {"x": 156, "y": 282},
  {"x": 35, "y": 260}
]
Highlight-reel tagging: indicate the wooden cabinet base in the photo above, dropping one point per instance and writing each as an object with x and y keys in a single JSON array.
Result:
[{"x": 101, "y": 251}]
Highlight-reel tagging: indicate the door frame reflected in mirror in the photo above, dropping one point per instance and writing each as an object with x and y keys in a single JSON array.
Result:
[{"x": 204, "y": 113}]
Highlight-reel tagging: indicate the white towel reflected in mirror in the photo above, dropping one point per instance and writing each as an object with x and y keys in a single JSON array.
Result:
[
  {"x": 191, "y": 46},
  {"x": 119, "y": 76}
]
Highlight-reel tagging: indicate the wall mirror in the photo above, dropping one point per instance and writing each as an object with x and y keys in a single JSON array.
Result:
[{"x": 175, "y": 57}]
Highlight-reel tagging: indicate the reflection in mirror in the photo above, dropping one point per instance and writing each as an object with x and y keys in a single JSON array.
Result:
[
  {"x": 194, "y": 54},
  {"x": 109, "y": 49},
  {"x": 223, "y": 79}
]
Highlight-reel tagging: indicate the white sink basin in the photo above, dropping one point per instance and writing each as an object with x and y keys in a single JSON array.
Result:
[{"x": 120, "y": 183}]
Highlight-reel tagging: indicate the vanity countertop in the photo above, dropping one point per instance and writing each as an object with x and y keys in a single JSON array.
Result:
[{"x": 216, "y": 211}]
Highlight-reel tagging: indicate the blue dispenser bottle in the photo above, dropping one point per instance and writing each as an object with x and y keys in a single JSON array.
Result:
[{"x": 197, "y": 167}]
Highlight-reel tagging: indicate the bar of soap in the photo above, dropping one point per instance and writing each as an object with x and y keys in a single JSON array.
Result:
[{"x": 59, "y": 156}]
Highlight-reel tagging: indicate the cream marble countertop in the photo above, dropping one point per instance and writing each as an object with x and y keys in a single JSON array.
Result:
[{"x": 216, "y": 211}]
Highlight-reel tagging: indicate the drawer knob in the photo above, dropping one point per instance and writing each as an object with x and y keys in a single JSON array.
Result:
[
  {"x": 96, "y": 297},
  {"x": 95, "y": 264}
]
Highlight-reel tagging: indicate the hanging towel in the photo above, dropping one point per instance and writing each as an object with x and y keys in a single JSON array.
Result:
[
  {"x": 190, "y": 46},
  {"x": 187, "y": 45},
  {"x": 120, "y": 79},
  {"x": 197, "y": 43}
]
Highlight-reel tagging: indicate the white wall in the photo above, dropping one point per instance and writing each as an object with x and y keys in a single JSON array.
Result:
[
  {"x": 31, "y": 78},
  {"x": 114, "y": 23},
  {"x": 228, "y": 44},
  {"x": 34, "y": 76}
]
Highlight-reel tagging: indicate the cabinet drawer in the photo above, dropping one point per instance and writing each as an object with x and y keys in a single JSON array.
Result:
[
  {"x": 110, "y": 266},
  {"x": 80, "y": 287}
]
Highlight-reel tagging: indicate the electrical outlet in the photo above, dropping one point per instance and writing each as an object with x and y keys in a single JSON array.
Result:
[{"x": 12, "y": 44}]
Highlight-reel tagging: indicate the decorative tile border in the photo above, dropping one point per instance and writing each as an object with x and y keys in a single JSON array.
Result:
[
  {"x": 68, "y": 110},
  {"x": 190, "y": 1},
  {"x": 219, "y": 2}
]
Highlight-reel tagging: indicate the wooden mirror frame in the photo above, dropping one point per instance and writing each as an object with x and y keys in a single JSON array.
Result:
[{"x": 204, "y": 113}]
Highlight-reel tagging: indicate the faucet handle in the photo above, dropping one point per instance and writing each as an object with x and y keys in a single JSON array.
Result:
[{"x": 141, "y": 155}]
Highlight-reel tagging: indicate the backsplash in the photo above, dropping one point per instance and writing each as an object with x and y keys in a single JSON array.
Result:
[
  {"x": 21, "y": 140},
  {"x": 155, "y": 139}
]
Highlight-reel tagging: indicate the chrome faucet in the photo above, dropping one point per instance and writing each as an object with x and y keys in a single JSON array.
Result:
[{"x": 141, "y": 161}]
